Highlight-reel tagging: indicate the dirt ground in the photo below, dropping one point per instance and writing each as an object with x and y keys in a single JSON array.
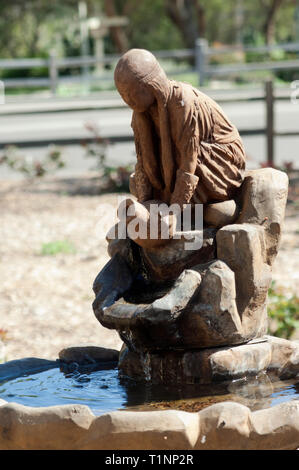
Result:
[{"x": 46, "y": 300}]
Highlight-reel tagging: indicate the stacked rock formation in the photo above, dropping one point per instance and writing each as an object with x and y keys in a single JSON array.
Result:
[
  {"x": 179, "y": 310},
  {"x": 174, "y": 309}
]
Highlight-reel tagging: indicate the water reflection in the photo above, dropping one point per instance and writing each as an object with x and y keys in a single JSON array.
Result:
[
  {"x": 103, "y": 391},
  {"x": 257, "y": 393}
]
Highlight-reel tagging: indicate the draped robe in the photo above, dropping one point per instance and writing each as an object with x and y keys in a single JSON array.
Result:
[{"x": 187, "y": 125}]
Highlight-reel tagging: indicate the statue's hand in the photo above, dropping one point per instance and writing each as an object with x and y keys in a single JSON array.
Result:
[{"x": 184, "y": 188}]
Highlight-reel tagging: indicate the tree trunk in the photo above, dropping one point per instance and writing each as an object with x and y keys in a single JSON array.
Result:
[
  {"x": 201, "y": 20},
  {"x": 269, "y": 25},
  {"x": 188, "y": 16},
  {"x": 118, "y": 34}
]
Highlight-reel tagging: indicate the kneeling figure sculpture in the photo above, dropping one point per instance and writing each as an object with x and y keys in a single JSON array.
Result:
[{"x": 183, "y": 304}]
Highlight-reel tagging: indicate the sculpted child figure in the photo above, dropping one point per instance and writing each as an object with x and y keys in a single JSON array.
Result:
[{"x": 187, "y": 149}]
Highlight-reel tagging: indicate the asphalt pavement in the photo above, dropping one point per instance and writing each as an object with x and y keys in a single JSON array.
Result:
[{"x": 111, "y": 119}]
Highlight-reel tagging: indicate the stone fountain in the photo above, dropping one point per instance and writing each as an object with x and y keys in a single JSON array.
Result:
[
  {"x": 185, "y": 288},
  {"x": 190, "y": 315}
]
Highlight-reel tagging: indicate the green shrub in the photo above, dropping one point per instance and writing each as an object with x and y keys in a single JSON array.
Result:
[{"x": 283, "y": 312}]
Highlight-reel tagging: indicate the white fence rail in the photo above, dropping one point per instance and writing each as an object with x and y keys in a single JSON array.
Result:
[{"x": 199, "y": 57}]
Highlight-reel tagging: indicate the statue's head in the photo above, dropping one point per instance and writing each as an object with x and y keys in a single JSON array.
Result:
[{"x": 138, "y": 76}]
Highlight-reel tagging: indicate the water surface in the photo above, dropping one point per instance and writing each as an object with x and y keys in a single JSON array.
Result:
[{"x": 103, "y": 391}]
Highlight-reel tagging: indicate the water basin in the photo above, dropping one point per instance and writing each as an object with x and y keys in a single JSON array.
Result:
[{"x": 103, "y": 391}]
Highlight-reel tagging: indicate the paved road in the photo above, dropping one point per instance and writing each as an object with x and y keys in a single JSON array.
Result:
[{"x": 116, "y": 122}]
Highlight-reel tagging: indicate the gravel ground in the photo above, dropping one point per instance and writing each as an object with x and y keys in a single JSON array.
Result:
[{"x": 46, "y": 300}]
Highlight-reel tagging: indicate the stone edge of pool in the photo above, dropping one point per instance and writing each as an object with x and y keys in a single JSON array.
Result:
[{"x": 222, "y": 426}]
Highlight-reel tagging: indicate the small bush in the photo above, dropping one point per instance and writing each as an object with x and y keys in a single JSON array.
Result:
[{"x": 283, "y": 312}]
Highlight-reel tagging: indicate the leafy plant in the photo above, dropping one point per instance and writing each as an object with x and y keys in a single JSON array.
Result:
[
  {"x": 28, "y": 166},
  {"x": 56, "y": 247},
  {"x": 283, "y": 312}
]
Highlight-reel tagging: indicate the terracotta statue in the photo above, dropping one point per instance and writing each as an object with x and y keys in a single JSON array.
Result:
[
  {"x": 187, "y": 149},
  {"x": 173, "y": 305}
]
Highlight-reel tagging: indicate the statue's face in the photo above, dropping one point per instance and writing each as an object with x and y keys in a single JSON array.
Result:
[{"x": 138, "y": 97}]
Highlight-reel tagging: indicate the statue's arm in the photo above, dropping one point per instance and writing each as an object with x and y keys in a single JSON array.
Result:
[
  {"x": 142, "y": 184},
  {"x": 187, "y": 144}
]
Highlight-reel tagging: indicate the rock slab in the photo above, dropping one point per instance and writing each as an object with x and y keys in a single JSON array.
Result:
[{"x": 211, "y": 365}]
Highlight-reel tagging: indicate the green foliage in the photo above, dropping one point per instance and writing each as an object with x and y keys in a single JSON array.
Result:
[
  {"x": 255, "y": 13},
  {"x": 288, "y": 75},
  {"x": 151, "y": 28},
  {"x": 56, "y": 247},
  {"x": 33, "y": 28},
  {"x": 219, "y": 18},
  {"x": 283, "y": 312}
]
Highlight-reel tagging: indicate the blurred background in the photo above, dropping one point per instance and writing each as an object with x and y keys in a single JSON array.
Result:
[{"x": 66, "y": 145}]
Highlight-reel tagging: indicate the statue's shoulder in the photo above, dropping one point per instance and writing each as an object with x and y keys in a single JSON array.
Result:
[{"x": 182, "y": 92}]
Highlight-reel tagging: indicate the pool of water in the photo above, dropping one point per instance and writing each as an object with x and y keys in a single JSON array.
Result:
[{"x": 103, "y": 391}]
